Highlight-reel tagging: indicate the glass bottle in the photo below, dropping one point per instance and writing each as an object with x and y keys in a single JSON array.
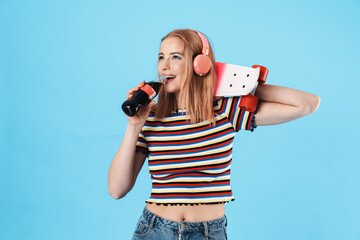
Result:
[{"x": 142, "y": 97}]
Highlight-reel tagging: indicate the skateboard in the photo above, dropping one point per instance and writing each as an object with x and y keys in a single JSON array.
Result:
[{"x": 234, "y": 80}]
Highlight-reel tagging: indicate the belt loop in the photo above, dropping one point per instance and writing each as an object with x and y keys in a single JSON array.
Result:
[
  {"x": 152, "y": 221},
  {"x": 206, "y": 230},
  {"x": 225, "y": 221}
]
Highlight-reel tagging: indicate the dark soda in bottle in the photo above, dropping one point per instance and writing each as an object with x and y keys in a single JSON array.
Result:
[{"x": 140, "y": 98}]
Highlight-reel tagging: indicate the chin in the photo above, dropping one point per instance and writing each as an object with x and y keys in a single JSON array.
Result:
[{"x": 170, "y": 89}]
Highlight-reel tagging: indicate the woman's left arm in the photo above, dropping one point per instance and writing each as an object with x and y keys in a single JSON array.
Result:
[{"x": 281, "y": 104}]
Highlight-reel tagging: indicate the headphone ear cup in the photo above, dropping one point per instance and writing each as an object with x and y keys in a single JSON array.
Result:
[{"x": 202, "y": 64}]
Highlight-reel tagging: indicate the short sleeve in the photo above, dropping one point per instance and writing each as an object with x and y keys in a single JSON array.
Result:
[
  {"x": 141, "y": 144},
  {"x": 240, "y": 119}
]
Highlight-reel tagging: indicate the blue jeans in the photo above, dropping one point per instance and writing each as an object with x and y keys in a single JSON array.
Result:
[{"x": 151, "y": 226}]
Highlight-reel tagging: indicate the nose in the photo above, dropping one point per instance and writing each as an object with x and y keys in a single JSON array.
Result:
[{"x": 165, "y": 65}]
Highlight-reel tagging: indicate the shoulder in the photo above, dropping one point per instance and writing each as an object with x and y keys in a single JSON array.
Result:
[
  {"x": 152, "y": 120},
  {"x": 223, "y": 103}
]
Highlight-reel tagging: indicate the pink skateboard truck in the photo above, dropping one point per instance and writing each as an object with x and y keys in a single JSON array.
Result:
[{"x": 234, "y": 80}]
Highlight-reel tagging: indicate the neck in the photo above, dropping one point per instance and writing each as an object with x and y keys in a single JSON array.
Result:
[{"x": 180, "y": 102}]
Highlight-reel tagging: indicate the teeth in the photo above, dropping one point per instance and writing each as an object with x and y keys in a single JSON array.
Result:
[
  {"x": 164, "y": 78},
  {"x": 171, "y": 76}
]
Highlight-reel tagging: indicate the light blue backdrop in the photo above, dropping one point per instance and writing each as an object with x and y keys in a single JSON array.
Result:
[{"x": 65, "y": 67}]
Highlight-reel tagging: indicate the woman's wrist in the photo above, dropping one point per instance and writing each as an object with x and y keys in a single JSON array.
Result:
[{"x": 135, "y": 126}]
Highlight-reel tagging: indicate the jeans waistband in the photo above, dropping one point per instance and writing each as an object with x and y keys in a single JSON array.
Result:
[{"x": 154, "y": 219}]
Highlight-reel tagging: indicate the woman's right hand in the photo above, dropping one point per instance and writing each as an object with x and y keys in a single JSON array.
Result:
[{"x": 143, "y": 113}]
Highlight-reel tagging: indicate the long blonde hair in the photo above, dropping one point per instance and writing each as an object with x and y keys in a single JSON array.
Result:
[{"x": 197, "y": 92}]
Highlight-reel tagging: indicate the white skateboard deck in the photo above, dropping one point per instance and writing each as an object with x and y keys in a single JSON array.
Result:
[{"x": 234, "y": 80}]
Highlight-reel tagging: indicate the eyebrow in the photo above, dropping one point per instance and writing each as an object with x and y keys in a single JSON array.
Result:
[{"x": 160, "y": 53}]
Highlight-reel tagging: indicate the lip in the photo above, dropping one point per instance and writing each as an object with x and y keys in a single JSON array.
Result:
[{"x": 170, "y": 80}]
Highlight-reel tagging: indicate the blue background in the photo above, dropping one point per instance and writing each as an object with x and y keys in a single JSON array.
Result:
[{"x": 65, "y": 67}]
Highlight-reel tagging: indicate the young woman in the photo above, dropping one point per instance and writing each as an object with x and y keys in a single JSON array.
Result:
[{"x": 188, "y": 139}]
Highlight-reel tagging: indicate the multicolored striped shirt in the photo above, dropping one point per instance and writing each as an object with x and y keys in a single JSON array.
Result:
[{"x": 190, "y": 163}]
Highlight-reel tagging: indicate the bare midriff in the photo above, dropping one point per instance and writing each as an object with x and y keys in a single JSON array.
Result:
[{"x": 188, "y": 213}]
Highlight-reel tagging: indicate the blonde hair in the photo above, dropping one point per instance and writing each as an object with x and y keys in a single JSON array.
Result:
[{"x": 197, "y": 92}]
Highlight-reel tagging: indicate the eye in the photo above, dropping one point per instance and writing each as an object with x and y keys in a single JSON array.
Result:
[
  {"x": 177, "y": 57},
  {"x": 161, "y": 58}
]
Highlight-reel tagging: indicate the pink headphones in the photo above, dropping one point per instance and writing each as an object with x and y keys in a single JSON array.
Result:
[{"x": 202, "y": 62}]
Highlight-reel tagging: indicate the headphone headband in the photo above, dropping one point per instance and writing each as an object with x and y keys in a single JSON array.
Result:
[
  {"x": 202, "y": 62},
  {"x": 205, "y": 43}
]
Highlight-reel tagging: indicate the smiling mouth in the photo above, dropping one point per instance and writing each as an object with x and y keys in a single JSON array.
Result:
[{"x": 168, "y": 78}]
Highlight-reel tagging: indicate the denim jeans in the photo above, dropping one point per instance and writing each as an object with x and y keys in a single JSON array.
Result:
[{"x": 151, "y": 226}]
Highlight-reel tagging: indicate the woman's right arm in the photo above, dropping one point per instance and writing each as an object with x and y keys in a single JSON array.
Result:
[{"x": 127, "y": 163}]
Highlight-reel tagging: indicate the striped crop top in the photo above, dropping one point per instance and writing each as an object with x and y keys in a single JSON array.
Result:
[{"x": 190, "y": 163}]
